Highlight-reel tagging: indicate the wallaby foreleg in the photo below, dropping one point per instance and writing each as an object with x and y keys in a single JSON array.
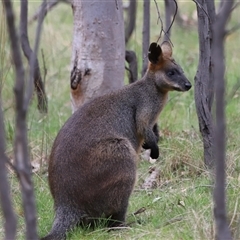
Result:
[
  {"x": 156, "y": 132},
  {"x": 150, "y": 141}
]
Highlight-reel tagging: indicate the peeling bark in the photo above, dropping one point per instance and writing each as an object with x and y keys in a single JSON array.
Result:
[{"x": 98, "y": 53}]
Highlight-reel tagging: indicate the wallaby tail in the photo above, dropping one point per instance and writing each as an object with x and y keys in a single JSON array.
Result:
[{"x": 65, "y": 219}]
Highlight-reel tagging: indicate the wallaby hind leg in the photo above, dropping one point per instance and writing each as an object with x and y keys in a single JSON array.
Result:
[
  {"x": 65, "y": 219},
  {"x": 118, "y": 218}
]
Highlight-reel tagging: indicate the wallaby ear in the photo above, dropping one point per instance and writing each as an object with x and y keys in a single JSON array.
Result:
[
  {"x": 166, "y": 49},
  {"x": 154, "y": 53}
]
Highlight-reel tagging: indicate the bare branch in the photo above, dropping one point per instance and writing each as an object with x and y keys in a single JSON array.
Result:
[
  {"x": 33, "y": 61},
  {"x": 236, "y": 5},
  {"x": 232, "y": 30},
  {"x": 201, "y": 7},
  {"x": 44, "y": 67},
  {"x": 11, "y": 165},
  {"x": 39, "y": 87},
  {"x": 159, "y": 19},
  {"x": 235, "y": 88},
  {"x": 174, "y": 16},
  {"x": 46, "y": 7},
  {"x": 161, "y": 30}
]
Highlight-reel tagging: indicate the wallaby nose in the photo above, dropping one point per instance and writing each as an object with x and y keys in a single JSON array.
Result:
[{"x": 188, "y": 85}]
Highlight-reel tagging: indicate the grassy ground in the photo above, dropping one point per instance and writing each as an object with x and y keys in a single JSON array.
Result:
[{"x": 180, "y": 204}]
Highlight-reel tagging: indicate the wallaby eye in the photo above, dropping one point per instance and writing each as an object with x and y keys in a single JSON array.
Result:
[{"x": 170, "y": 73}]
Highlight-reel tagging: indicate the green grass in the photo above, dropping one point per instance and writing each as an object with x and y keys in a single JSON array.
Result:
[{"x": 180, "y": 207}]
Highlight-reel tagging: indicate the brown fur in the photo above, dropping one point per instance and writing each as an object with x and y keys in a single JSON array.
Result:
[{"x": 92, "y": 166}]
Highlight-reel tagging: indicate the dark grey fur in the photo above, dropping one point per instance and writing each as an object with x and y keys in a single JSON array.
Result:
[{"x": 92, "y": 166}]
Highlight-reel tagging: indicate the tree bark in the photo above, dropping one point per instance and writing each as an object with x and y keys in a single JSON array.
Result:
[
  {"x": 204, "y": 84},
  {"x": 223, "y": 232},
  {"x": 145, "y": 35},
  {"x": 98, "y": 52}
]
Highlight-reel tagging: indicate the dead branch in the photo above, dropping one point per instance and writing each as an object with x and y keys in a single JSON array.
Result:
[
  {"x": 39, "y": 87},
  {"x": 20, "y": 143},
  {"x": 140, "y": 210}
]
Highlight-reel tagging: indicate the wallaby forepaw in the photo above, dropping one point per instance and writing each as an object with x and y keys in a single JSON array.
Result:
[{"x": 154, "y": 153}]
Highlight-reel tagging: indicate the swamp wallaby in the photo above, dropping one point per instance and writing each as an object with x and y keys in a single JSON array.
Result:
[{"x": 92, "y": 166}]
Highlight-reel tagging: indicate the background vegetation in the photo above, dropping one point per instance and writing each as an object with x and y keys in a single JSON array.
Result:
[{"x": 179, "y": 206}]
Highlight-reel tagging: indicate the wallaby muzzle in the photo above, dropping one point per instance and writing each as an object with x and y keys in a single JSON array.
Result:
[{"x": 188, "y": 85}]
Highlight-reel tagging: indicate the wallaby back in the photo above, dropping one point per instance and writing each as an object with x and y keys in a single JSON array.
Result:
[{"x": 92, "y": 166}]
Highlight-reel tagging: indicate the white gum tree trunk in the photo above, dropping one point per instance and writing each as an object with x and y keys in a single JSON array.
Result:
[{"x": 98, "y": 51}]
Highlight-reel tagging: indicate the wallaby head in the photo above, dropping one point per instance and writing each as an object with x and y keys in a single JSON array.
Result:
[{"x": 167, "y": 74}]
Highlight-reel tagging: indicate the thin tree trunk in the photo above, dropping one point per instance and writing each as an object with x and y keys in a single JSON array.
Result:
[
  {"x": 169, "y": 11},
  {"x": 131, "y": 16},
  {"x": 145, "y": 34},
  {"x": 10, "y": 225},
  {"x": 210, "y": 6},
  {"x": 203, "y": 90},
  {"x": 223, "y": 232},
  {"x": 20, "y": 145},
  {"x": 98, "y": 53}
]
